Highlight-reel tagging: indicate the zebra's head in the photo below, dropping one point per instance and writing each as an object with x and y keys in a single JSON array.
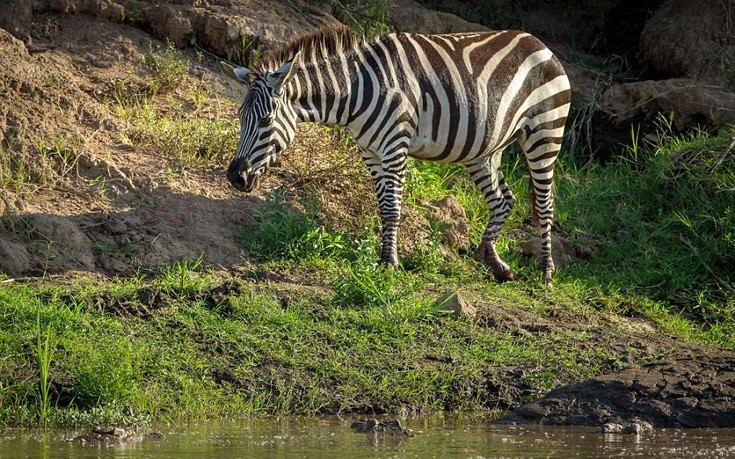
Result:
[{"x": 267, "y": 122}]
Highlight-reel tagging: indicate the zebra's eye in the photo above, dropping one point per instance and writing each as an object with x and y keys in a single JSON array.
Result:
[{"x": 266, "y": 121}]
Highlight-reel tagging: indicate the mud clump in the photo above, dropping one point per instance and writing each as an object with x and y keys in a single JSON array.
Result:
[
  {"x": 696, "y": 389},
  {"x": 452, "y": 220},
  {"x": 562, "y": 252},
  {"x": 453, "y": 303}
]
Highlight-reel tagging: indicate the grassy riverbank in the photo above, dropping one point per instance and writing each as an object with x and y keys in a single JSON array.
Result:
[{"x": 312, "y": 324}]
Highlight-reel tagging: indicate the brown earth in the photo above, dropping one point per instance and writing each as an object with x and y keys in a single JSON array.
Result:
[
  {"x": 146, "y": 212},
  {"x": 122, "y": 207}
]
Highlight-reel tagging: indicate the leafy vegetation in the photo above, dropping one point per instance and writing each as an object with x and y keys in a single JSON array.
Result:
[
  {"x": 369, "y": 16},
  {"x": 188, "y": 344},
  {"x": 662, "y": 220},
  {"x": 167, "y": 68}
]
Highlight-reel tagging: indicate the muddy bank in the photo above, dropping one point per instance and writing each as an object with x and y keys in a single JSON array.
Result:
[{"x": 690, "y": 388}]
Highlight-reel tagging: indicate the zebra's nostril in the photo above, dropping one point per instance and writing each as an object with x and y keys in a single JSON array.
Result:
[{"x": 234, "y": 176}]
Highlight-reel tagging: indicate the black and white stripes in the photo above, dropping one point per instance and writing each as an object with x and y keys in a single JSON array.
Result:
[{"x": 458, "y": 98}]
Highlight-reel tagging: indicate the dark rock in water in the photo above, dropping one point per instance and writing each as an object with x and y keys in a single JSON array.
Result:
[
  {"x": 113, "y": 436},
  {"x": 387, "y": 426}
]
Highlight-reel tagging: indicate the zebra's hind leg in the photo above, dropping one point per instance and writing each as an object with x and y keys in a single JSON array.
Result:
[
  {"x": 491, "y": 182},
  {"x": 541, "y": 149}
]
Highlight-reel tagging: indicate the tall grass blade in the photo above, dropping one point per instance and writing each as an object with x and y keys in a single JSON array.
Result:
[{"x": 44, "y": 353}]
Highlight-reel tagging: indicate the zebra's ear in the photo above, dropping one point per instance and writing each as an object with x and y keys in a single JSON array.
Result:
[
  {"x": 238, "y": 73},
  {"x": 241, "y": 73},
  {"x": 285, "y": 72}
]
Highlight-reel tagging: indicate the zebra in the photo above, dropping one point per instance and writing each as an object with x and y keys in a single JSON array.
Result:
[{"x": 454, "y": 98}]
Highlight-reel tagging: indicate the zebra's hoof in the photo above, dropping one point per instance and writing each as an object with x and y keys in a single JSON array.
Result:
[
  {"x": 486, "y": 253},
  {"x": 547, "y": 280},
  {"x": 505, "y": 275},
  {"x": 390, "y": 263}
]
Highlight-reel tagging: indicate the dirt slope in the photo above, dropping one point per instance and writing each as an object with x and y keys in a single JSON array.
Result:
[{"x": 53, "y": 90}]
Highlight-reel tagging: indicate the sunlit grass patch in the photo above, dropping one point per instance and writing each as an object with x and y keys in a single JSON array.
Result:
[
  {"x": 170, "y": 113},
  {"x": 182, "y": 137},
  {"x": 167, "y": 68},
  {"x": 27, "y": 163}
]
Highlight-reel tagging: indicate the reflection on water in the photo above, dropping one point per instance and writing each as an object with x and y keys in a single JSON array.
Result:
[{"x": 323, "y": 438}]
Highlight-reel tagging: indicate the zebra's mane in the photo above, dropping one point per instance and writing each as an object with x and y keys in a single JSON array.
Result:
[{"x": 316, "y": 45}]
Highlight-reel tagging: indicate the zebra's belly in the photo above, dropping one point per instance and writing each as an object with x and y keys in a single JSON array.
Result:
[{"x": 450, "y": 147}]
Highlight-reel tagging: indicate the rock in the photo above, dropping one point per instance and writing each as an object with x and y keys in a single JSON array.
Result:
[
  {"x": 62, "y": 239},
  {"x": 691, "y": 39},
  {"x": 113, "y": 436},
  {"x": 387, "y": 426},
  {"x": 178, "y": 27},
  {"x": 14, "y": 258},
  {"x": 657, "y": 394},
  {"x": 112, "y": 11},
  {"x": 453, "y": 222},
  {"x": 452, "y": 302},
  {"x": 611, "y": 427},
  {"x": 562, "y": 251},
  {"x": 688, "y": 102},
  {"x": 409, "y": 16}
]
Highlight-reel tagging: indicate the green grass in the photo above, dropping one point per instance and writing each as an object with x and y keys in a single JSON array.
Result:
[
  {"x": 368, "y": 17},
  {"x": 183, "y": 136},
  {"x": 662, "y": 219},
  {"x": 167, "y": 68},
  {"x": 207, "y": 346},
  {"x": 44, "y": 353}
]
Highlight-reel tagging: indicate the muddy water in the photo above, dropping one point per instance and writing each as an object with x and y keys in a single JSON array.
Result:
[{"x": 436, "y": 437}]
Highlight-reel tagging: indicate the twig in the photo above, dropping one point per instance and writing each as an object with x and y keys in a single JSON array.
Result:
[
  {"x": 723, "y": 156},
  {"x": 29, "y": 278}
]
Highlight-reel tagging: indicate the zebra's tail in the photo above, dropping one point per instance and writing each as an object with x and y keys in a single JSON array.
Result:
[{"x": 532, "y": 201}]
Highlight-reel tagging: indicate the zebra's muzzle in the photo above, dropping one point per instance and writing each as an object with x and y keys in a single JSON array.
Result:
[{"x": 241, "y": 178}]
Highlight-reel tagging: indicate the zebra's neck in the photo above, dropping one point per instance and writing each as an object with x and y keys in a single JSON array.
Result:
[{"x": 321, "y": 92}]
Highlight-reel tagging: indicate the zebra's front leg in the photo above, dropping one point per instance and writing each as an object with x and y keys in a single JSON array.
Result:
[
  {"x": 490, "y": 181},
  {"x": 389, "y": 174}
]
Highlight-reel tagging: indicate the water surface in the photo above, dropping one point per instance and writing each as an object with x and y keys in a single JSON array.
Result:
[{"x": 331, "y": 437}]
